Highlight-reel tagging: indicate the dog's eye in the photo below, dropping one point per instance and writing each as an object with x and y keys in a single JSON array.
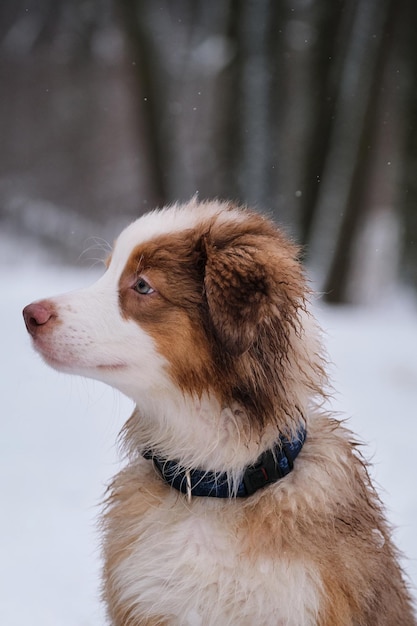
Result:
[{"x": 143, "y": 287}]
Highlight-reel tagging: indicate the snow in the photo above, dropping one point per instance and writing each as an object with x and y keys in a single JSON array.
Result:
[
  {"x": 57, "y": 451},
  {"x": 58, "y": 446}
]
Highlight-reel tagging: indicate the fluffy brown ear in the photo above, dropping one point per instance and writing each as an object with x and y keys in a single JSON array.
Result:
[
  {"x": 251, "y": 275},
  {"x": 237, "y": 294}
]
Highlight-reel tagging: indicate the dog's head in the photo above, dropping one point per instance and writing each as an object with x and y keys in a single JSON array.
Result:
[{"x": 206, "y": 298}]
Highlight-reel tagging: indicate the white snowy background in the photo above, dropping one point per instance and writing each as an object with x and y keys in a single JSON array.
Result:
[{"x": 58, "y": 451}]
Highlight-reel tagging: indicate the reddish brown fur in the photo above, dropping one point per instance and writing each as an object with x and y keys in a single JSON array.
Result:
[
  {"x": 130, "y": 489},
  {"x": 232, "y": 294},
  {"x": 342, "y": 534},
  {"x": 230, "y": 291}
]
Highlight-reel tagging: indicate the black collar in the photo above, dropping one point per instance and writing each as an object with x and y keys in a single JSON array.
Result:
[{"x": 270, "y": 467}]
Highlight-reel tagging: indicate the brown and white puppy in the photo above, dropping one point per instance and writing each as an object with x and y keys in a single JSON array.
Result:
[{"x": 201, "y": 318}]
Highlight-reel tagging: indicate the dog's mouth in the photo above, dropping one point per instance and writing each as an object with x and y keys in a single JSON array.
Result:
[
  {"x": 111, "y": 367},
  {"x": 72, "y": 363},
  {"x": 80, "y": 367}
]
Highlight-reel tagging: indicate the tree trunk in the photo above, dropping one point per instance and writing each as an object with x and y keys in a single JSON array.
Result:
[
  {"x": 337, "y": 209},
  {"x": 367, "y": 167}
]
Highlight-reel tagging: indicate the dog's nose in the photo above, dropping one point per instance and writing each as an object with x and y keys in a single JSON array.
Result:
[{"x": 37, "y": 314}]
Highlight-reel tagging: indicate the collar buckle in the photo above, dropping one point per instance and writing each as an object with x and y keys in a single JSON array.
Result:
[{"x": 264, "y": 472}]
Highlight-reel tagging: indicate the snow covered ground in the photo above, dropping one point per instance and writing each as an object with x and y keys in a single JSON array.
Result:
[{"x": 57, "y": 446}]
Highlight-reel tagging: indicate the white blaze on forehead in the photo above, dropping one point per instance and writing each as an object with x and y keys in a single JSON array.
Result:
[{"x": 171, "y": 219}]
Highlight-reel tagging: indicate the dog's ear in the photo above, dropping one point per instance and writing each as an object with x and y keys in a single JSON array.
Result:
[
  {"x": 237, "y": 293},
  {"x": 251, "y": 275}
]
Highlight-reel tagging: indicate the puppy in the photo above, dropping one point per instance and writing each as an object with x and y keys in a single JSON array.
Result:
[{"x": 243, "y": 502}]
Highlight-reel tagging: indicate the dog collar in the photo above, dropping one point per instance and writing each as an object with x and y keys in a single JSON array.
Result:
[{"x": 272, "y": 465}]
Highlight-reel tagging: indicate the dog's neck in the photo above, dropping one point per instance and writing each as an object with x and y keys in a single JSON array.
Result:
[
  {"x": 199, "y": 433},
  {"x": 271, "y": 466}
]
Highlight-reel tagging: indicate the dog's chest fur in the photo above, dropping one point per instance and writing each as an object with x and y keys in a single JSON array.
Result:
[{"x": 179, "y": 561}]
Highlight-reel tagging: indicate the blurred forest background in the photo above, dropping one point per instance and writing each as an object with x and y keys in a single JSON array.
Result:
[{"x": 306, "y": 109}]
